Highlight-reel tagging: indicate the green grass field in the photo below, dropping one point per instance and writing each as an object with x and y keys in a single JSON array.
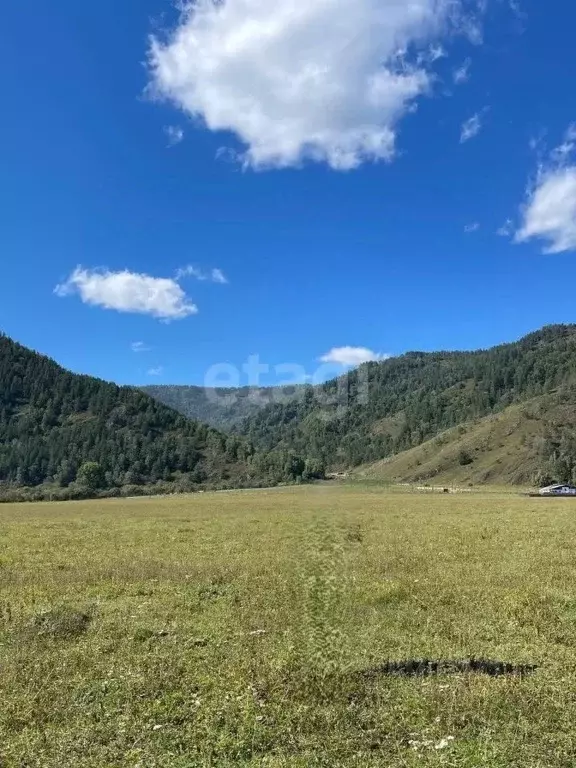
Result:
[{"x": 229, "y": 629}]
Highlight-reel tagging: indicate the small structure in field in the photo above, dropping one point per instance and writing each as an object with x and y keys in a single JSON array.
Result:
[{"x": 561, "y": 489}]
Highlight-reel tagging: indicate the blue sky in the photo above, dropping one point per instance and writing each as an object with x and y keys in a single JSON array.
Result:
[{"x": 264, "y": 179}]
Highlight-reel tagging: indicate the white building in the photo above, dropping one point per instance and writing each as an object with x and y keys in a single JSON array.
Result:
[{"x": 558, "y": 490}]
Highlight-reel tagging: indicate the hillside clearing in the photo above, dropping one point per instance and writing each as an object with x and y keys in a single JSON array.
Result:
[{"x": 229, "y": 629}]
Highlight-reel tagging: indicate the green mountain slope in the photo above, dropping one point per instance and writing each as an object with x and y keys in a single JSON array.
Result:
[
  {"x": 52, "y": 422},
  {"x": 221, "y": 408},
  {"x": 385, "y": 408},
  {"x": 532, "y": 443}
]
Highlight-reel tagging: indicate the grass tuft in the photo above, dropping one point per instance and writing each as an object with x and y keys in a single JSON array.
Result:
[{"x": 62, "y": 623}]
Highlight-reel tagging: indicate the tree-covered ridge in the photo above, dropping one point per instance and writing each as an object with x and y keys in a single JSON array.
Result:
[
  {"x": 383, "y": 408},
  {"x": 221, "y": 408},
  {"x": 53, "y": 423}
]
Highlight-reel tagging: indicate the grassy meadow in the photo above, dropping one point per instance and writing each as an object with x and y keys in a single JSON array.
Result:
[{"x": 230, "y": 629}]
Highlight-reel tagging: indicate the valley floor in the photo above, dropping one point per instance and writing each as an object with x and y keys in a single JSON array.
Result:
[{"x": 230, "y": 630}]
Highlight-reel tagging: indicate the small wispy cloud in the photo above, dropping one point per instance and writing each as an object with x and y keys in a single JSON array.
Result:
[
  {"x": 535, "y": 143},
  {"x": 432, "y": 54},
  {"x": 189, "y": 271},
  {"x": 472, "y": 127},
  {"x": 140, "y": 346},
  {"x": 212, "y": 275},
  {"x": 516, "y": 9},
  {"x": 561, "y": 154},
  {"x": 351, "y": 356},
  {"x": 462, "y": 73},
  {"x": 158, "y": 371},
  {"x": 174, "y": 134},
  {"x": 507, "y": 229},
  {"x": 218, "y": 276},
  {"x": 473, "y": 227}
]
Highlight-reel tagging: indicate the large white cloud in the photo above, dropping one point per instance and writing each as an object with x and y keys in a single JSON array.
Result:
[
  {"x": 550, "y": 211},
  {"x": 326, "y": 80},
  {"x": 351, "y": 356},
  {"x": 129, "y": 292}
]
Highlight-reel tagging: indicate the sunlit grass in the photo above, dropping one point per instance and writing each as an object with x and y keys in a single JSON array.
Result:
[{"x": 228, "y": 629}]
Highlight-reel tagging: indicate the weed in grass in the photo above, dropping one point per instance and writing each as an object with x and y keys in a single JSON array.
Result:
[
  {"x": 426, "y": 667},
  {"x": 214, "y": 590},
  {"x": 62, "y": 623},
  {"x": 353, "y": 534}
]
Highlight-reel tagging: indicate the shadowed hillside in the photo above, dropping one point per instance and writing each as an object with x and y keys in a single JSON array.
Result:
[{"x": 221, "y": 408}]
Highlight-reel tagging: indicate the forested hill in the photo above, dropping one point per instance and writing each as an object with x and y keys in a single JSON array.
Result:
[
  {"x": 383, "y": 408},
  {"x": 67, "y": 435},
  {"x": 221, "y": 408},
  {"x": 532, "y": 443},
  {"x": 69, "y": 431}
]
